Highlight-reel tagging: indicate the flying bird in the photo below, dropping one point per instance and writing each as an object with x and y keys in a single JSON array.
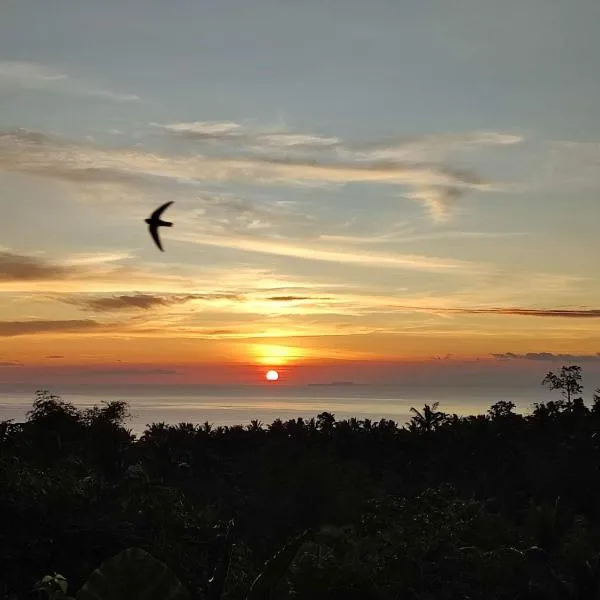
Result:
[{"x": 154, "y": 222}]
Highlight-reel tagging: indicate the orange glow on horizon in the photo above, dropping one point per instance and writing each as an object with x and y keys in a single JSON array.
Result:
[{"x": 276, "y": 355}]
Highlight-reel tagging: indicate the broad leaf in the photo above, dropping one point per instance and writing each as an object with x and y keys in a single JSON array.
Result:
[
  {"x": 275, "y": 569},
  {"x": 216, "y": 584},
  {"x": 133, "y": 575}
]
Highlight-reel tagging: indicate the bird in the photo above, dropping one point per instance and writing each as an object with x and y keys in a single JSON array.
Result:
[{"x": 154, "y": 222}]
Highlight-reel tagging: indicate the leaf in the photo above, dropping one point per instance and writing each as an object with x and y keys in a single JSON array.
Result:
[
  {"x": 216, "y": 583},
  {"x": 133, "y": 574},
  {"x": 275, "y": 569}
]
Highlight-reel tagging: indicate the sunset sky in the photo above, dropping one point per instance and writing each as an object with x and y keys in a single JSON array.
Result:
[{"x": 374, "y": 191}]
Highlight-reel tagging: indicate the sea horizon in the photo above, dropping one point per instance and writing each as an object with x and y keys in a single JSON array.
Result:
[{"x": 239, "y": 404}]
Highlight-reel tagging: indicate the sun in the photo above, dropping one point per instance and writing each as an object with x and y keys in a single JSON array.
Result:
[{"x": 272, "y": 375}]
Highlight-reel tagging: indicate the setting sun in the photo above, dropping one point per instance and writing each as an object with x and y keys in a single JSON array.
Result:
[{"x": 272, "y": 375}]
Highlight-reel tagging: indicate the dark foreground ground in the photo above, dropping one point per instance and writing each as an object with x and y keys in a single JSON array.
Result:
[{"x": 491, "y": 506}]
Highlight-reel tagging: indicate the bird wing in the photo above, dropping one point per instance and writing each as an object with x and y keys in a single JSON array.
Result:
[
  {"x": 159, "y": 211},
  {"x": 154, "y": 233}
]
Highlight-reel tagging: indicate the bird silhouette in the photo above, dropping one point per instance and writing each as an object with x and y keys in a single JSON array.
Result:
[{"x": 154, "y": 222}]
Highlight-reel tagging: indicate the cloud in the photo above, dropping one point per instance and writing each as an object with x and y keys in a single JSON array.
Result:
[
  {"x": 435, "y": 146},
  {"x": 574, "y": 313},
  {"x": 88, "y": 259},
  {"x": 229, "y": 131},
  {"x": 227, "y": 214},
  {"x": 438, "y": 200},
  {"x": 55, "y": 357},
  {"x": 577, "y": 313},
  {"x": 92, "y": 272},
  {"x": 27, "y": 74},
  {"x": 297, "y": 140},
  {"x": 27, "y": 152},
  {"x": 138, "y": 301},
  {"x": 127, "y": 372},
  {"x": 7, "y": 364},
  {"x": 44, "y": 156},
  {"x": 18, "y": 267},
  {"x": 15, "y": 328},
  {"x": 141, "y": 301},
  {"x": 548, "y": 356},
  {"x": 295, "y": 298},
  {"x": 34, "y": 76},
  {"x": 204, "y": 130},
  {"x": 422, "y": 147},
  {"x": 376, "y": 259}
]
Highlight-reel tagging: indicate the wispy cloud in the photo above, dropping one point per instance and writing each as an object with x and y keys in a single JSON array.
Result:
[
  {"x": 410, "y": 152},
  {"x": 204, "y": 130},
  {"x": 16, "y": 328},
  {"x": 142, "y": 302},
  {"x": 34, "y": 76},
  {"x": 90, "y": 272},
  {"x": 409, "y": 235},
  {"x": 435, "y": 146},
  {"x": 424, "y": 147},
  {"x": 374, "y": 259},
  {"x": 438, "y": 200},
  {"x": 38, "y": 154},
  {"x": 297, "y": 298},
  {"x": 227, "y": 214},
  {"x": 17, "y": 267},
  {"x": 125, "y": 371},
  {"x": 567, "y": 313},
  {"x": 229, "y": 131},
  {"x": 436, "y": 185},
  {"x": 548, "y": 356},
  {"x": 298, "y": 140},
  {"x": 7, "y": 364},
  {"x": 575, "y": 313}
]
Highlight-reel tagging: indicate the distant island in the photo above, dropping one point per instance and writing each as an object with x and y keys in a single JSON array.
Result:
[{"x": 336, "y": 383}]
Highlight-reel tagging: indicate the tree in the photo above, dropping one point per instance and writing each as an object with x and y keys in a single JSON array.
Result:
[
  {"x": 325, "y": 422},
  {"x": 567, "y": 382},
  {"x": 596, "y": 402},
  {"x": 501, "y": 409},
  {"x": 428, "y": 420}
]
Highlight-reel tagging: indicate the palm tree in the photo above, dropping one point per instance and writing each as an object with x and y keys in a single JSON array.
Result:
[
  {"x": 255, "y": 425},
  {"x": 428, "y": 420}
]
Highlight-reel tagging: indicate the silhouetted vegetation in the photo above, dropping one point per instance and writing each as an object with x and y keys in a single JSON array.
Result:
[{"x": 499, "y": 505}]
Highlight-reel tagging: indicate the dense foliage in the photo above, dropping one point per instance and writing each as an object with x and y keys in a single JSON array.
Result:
[{"x": 500, "y": 505}]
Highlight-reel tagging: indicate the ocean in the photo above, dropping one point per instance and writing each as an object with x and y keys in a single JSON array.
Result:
[{"x": 233, "y": 405}]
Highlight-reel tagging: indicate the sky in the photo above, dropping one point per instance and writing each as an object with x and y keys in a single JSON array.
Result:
[{"x": 378, "y": 192}]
